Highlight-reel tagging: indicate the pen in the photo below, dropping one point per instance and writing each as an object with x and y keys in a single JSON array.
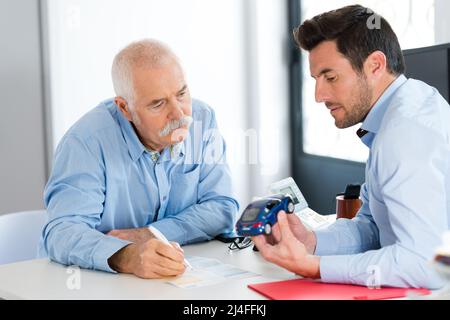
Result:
[{"x": 161, "y": 237}]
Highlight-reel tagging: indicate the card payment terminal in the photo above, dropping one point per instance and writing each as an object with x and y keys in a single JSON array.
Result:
[{"x": 309, "y": 217}]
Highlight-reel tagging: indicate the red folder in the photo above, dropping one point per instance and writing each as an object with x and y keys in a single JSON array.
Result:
[{"x": 301, "y": 289}]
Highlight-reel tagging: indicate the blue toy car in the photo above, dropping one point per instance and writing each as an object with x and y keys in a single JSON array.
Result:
[{"x": 261, "y": 215}]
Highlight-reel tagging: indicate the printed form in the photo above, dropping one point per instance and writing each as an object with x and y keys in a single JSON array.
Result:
[{"x": 206, "y": 271}]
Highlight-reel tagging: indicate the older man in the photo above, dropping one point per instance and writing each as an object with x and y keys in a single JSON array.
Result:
[{"x": 135, "y": 161}]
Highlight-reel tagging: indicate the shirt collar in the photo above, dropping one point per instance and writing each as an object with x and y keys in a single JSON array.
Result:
[
  {"x": 135, "y": 146},
  {"x": 375, "y": 116},
  {"x": 173, "y": 152}
]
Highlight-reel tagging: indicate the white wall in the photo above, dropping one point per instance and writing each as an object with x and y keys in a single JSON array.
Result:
[
  {"x": 22, "y": 147},
  {"x": 268, "y": 91},
  {"x": 442, "y": 16}
]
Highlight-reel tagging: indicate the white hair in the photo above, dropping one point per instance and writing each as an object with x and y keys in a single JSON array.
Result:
[{"x": 146, "y": 53}]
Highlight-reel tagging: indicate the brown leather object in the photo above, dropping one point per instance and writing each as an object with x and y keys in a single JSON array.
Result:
[{"x": 347, "y": 208}]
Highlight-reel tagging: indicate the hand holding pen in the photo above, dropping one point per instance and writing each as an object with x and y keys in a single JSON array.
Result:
[{"x": 158, "y": 235}]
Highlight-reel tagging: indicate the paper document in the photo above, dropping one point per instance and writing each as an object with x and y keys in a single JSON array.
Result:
[{"x": 206, "y": 271}]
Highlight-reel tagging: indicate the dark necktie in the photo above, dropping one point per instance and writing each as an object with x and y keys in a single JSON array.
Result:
[{"x": 361, "y": 132}]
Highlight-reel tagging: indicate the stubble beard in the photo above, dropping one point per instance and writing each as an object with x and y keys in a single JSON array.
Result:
[{"x": 359, "y": 108}]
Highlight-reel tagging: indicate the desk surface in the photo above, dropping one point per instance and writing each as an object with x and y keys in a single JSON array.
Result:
[{"x": 43, "y": 279}]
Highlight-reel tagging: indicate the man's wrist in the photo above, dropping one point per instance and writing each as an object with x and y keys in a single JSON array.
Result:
[
  {"x": 143, "y": 234},
  {"x": 313, "y": 263},
  {"x": 311, "y": 242},
  {"x": 121, "y": 261}
]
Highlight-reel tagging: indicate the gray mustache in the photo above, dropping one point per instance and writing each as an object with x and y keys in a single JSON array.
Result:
[{"x": 185, "y": 121}]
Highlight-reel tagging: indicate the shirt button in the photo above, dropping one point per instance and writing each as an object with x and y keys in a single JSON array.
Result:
[{"x": 164, "y": 198}]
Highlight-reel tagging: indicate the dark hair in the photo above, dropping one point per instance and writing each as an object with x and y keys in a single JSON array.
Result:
[{"x": 358, "y": 32}]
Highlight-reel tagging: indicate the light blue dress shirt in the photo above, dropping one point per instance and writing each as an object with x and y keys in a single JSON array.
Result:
[
  {"x": 406, "y": 195},
  {"x": 104, "y": 178}
]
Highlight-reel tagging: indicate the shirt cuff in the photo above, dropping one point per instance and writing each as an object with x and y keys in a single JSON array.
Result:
[
  {"x": 326, "y": 242},
  {"x": 170, "y": 230},
  {"x": 334, "y": 269},
  {"x": 105, "y": 249}
]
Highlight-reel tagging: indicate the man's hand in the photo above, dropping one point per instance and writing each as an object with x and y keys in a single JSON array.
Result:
[
  {"x": 134, "y": 235},
  {"x": 303, "y": 234},
  {"x": 150, "y": 259},
  {"x": 285, "y": 249}
]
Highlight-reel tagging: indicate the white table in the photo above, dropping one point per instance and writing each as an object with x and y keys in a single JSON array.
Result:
[{"x": 43, "y": 279}]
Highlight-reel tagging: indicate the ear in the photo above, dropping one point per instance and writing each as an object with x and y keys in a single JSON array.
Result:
[
  {"x": 375, "y": 65},
  {"x": 122, "y": 104}
]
